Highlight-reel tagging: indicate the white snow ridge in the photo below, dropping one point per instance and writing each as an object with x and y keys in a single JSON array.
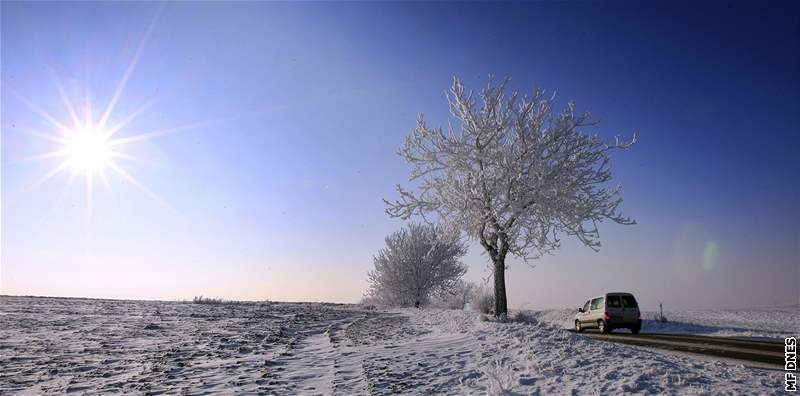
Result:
[{"x": 53, "y": 345}]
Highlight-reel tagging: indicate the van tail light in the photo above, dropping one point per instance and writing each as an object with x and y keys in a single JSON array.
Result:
[
  {"x": 606, "y": 316},
  {"x": 638, "y": 316}
]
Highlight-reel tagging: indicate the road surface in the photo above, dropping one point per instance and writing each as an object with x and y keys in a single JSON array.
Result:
[{"x": 764, "y": 351}]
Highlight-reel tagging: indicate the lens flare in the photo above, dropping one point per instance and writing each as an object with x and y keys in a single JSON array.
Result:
[{"x": 710, "y": 255}]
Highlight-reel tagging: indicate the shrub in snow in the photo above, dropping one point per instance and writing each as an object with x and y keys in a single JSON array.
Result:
[
  {"x": 525, "y": 317},
  {"x": 515, "y": 176},
  {"x": 219, "y": 301},
  {"x": 207, "y": 300},
  {"x": 660, "y": 318},
  {"x": 461, "y": 294},
  {"x": 500, "y": 379},
  {"x": 370, "y": 301},
  {"x": 483, "y": 301},
  {"x": 418, "y": 262}
]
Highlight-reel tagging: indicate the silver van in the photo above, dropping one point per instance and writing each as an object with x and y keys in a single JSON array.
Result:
[{"x": 608, "y": 312}]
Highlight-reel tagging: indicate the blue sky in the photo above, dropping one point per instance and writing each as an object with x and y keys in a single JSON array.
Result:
[{"x": 295, "y": 111}]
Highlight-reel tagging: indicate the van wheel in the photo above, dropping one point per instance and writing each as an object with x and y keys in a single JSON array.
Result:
[
  {"x": 578, "y": 327},
  {"x": 636, "y": 329},
  {"x": 601, "y": 325}
]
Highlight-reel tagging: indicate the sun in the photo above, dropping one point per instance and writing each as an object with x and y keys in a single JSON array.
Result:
[
  {"x": 86, "y": 143},
  {"x": 88, "y": 150}
]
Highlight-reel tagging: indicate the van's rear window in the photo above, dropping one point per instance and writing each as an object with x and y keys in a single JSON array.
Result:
[
  {"x": 628, "y": 302},
  {"x": 613, "y": 302}
]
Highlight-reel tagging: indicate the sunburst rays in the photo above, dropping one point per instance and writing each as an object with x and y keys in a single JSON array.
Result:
[
  {"x": 86, "y": 151},
  {"x": 85, "y": 145},
  {"x": 92, "y": 146}
]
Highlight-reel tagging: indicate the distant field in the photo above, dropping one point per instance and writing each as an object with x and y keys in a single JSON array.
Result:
[{"x": 50, "y": 346}]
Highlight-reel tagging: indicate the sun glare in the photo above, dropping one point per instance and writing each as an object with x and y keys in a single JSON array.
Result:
[
  {"x": 88, "y": 150},
  {"x": 87, "y": 143},
  {"x": 87, "y": 146}
]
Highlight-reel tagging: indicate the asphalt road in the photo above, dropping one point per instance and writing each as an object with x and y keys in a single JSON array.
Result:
[{"x": 763, "y": 351}]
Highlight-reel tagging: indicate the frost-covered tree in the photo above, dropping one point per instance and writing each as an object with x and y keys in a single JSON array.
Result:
[
  {"x": 417, "y": 262},
  {"x": 515, "y": 176}
]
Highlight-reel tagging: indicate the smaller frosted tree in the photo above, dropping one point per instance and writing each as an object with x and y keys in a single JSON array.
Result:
[{"x": 418, "y": 261}]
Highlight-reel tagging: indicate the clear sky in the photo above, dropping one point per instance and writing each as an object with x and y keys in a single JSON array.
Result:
[{"x": 293, "y": 114}]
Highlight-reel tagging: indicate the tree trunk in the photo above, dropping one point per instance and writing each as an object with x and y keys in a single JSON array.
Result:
[{"x": 500, "y": 305}]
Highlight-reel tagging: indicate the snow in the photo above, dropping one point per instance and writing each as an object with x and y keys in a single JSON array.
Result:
[
  {"x": 777, "y": 322},
  {"x": 768, "y": 322},
  {"x": 60, "y": 345}
]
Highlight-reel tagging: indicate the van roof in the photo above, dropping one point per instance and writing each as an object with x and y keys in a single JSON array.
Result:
[{"x": 612, "y": 294}]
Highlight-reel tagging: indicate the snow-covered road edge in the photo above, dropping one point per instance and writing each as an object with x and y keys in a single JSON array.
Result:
[{"x": 533, "y": 356}]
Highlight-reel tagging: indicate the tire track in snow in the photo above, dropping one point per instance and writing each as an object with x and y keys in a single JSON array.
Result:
[{"x": 318, "y": 362}]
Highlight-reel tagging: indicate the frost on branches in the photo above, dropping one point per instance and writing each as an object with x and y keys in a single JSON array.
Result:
[
  {"x": 515, "y": 176},
  {"x": 417, "y": 262}
]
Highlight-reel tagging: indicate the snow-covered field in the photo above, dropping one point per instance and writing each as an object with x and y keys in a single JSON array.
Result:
[
  {"x": 74, "y": 345},
  {"x": 776, "y": 322}
]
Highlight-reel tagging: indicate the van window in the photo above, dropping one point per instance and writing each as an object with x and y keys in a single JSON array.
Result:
[
  {"x": 586, "y": 307},
  {"x": 597, "y": 303},
  {"x": 613, "y": 302},
  {"x": 628, "y": 302}
]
